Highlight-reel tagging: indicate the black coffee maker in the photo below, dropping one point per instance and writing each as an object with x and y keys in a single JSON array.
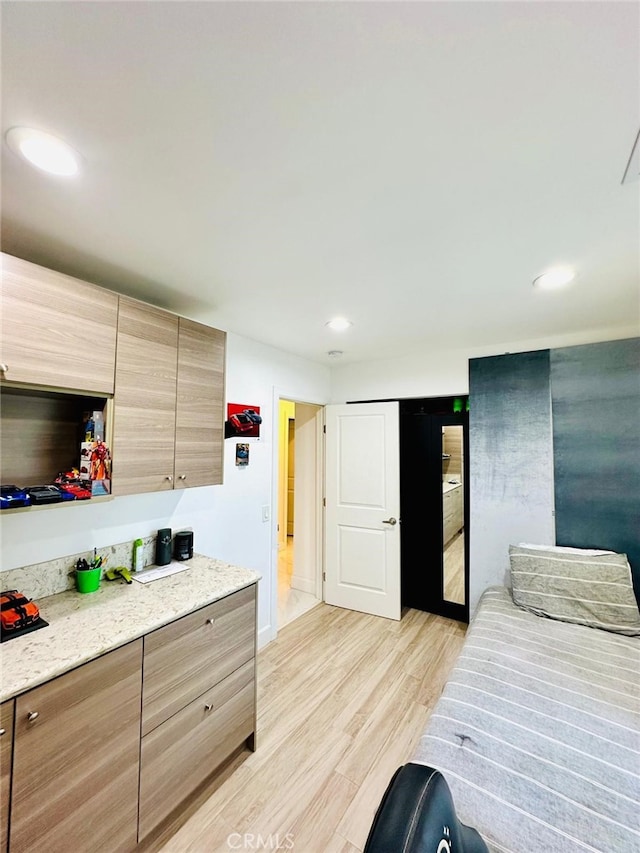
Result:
[{"x": 183, "y": 545}]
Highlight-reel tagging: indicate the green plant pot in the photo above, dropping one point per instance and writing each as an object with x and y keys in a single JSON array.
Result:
[{"x": 88, "y": 580}]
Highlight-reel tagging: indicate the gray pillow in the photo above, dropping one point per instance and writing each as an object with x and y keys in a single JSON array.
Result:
[{"x": 575, "y": 585}]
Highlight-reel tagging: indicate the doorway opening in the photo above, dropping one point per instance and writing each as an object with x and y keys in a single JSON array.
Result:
[
  {"x": 434, "y": 465},
  {"x": 299, "y": 527}
]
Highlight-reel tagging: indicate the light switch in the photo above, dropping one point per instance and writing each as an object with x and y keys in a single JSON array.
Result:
[{"x": 265, "y": 513}]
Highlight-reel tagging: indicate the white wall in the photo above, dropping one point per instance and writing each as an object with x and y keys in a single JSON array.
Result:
[
  {"x": 226, "y": 520},
  {"x": 438, "y": 372}
]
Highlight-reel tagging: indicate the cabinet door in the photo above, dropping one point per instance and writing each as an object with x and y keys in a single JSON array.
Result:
[
  {"x": 57, "y": 331},
  {"x": 76, "y": 764},
  {"x": 6, "y": 747},
  {"x": 144, "y": 399},
  {"x": 199, "y": 414}
]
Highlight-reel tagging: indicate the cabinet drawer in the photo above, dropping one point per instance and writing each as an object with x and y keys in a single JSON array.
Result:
[
  {"x": 452, "y": 513},
  {"x": 187, "y": 657},
  {"x": 6, "y": 748},
  {"x": 181, "y": 753}
]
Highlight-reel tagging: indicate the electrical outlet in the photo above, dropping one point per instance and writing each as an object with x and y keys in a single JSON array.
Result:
[{"x": 265, "y": 513}]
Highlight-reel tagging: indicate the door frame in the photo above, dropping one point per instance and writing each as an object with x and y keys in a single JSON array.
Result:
[
  {"x": 435, "y": 411},
  {"x": 280, "y": 393}
]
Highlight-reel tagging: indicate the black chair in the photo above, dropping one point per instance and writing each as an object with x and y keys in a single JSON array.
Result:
[{"x": 416, "y": 815}]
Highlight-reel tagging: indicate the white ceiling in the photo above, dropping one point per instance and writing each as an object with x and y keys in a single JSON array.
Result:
[{"x": 266, "y": 166}]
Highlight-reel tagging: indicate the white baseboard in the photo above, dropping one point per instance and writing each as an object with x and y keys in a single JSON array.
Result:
[
  {"x": 265, "y": 635},
  {"x": 303, "y": 584}
]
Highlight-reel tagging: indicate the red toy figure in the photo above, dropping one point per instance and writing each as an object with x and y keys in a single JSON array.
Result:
[{"x": 100, "y": 459}]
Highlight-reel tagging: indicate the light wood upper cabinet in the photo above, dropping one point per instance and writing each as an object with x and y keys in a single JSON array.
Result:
[
  {"x": 76, "y": 758},
  {"x": 57, "y": 331},
  {"x": 200, "y": 400},
  {"x": 168, "y": 421},
  {"x": 6, "y": 748},
  {"x": 145, "y": 399},
  {"x": 166, "y": 375}
]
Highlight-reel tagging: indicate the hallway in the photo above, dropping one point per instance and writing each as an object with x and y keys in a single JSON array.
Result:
[{"x": 292, "y": 603}]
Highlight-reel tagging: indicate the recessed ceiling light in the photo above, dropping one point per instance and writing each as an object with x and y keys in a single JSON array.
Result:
[
  {"x": 339, "y": 324},
  {"x": 554, "y": 278},
  {"x": 44, "y": 151}
]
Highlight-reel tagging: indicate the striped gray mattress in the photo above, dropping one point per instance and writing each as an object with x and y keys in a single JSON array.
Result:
[{"x": 537, "y": 733}]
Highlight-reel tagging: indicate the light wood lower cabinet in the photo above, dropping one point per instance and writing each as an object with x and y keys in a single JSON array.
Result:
[
  {"x": 453, "y": 513},
  {"x": 198, "y": 701},
  {"x": 76, "y": 758},
  {"x": 82, "y": 780},
  {"x": 181, "y": 753},
  {"x": 6, "y": 749},
  {"x": 188, "y": 656}
]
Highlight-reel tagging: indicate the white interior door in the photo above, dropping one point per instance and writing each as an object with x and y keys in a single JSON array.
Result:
[{"x": 362, "y": 487}]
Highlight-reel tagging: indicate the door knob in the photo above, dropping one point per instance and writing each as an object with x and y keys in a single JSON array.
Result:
[{"x": 390, "y": 521}]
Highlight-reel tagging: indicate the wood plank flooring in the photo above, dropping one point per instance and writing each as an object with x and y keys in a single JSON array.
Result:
[
  {"x": 342, "y": 700},
  {"x": 453, "y": 568}
]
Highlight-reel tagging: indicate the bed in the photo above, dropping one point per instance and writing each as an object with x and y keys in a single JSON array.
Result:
[{"x": 537, "y": 732}]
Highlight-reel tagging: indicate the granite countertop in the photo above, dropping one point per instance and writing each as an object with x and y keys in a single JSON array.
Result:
[{"x": 84, "y": 626}]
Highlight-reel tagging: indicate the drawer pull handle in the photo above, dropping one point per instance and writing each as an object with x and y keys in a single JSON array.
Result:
[
  {"x": 3, "y": 732},
  {"x": 169, "y": 478},
  {"x": 210, "y": 621},
  {"x": 183, "y": 476},
  {"x": 33, "y": 715},
  {"x": 4, "y": 368},
  {"x": 208, "y": 707}
]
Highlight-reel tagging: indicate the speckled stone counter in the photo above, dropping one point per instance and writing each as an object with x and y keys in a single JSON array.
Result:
[{"x": 82, "y": 627}]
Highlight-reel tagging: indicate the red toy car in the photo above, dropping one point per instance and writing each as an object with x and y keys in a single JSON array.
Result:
[
  {"x": 241, "y": 422},
  {"x": 75, "y": 489},
  {"x": 69, "y": 482}
]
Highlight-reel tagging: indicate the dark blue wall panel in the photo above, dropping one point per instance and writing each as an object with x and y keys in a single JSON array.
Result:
[
  {"x": 595, "y": 393},
  {"x": 511, "y": 462}
]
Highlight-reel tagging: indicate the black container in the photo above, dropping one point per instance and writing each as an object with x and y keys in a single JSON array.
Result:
[
  {"x": 163, "y": 547},
  {"x": 183, "y": 545}
]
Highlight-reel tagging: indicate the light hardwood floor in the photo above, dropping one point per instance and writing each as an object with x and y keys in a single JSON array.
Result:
[
  {"x": 453, "y": 567},
  {"x": 342, "y": 700}
]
